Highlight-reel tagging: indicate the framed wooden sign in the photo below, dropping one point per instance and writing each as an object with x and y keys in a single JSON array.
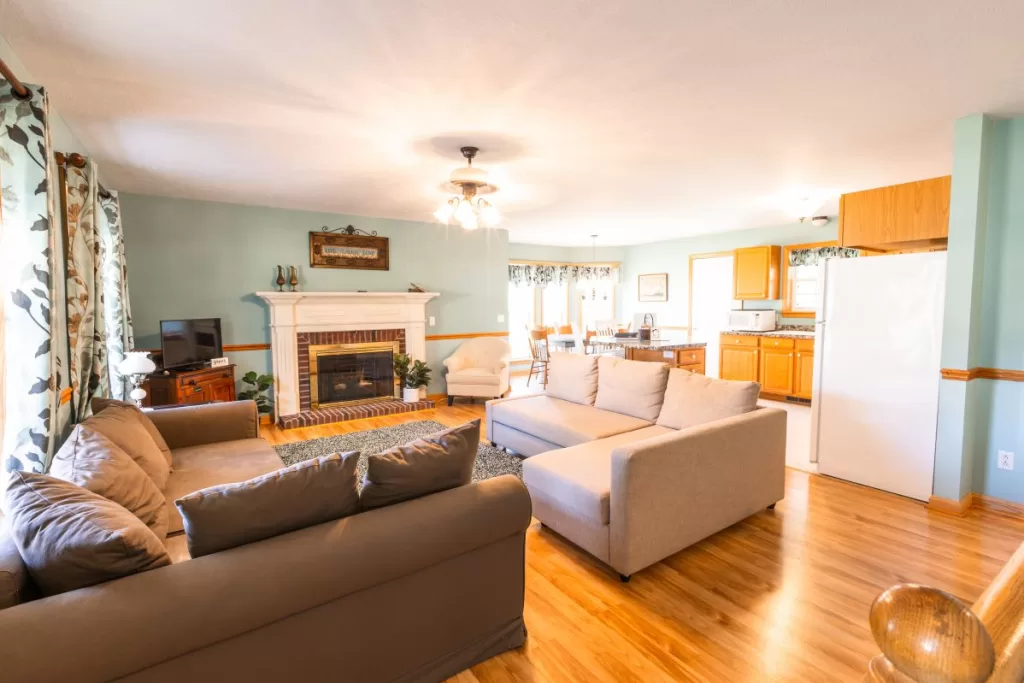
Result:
[
  {"x": 652, "y": 287},
  {"x": 348, "y": 248}
]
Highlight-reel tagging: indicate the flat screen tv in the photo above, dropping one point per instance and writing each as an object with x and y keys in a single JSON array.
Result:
[{"x": 190, "y": 342}]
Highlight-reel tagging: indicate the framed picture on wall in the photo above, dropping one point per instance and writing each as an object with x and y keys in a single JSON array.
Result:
[
  {"x": 347, "y": 248},
  {"x": 652, "y": 287}
]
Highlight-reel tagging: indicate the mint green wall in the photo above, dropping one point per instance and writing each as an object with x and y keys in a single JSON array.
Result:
[{"x": 194, "y": 259}]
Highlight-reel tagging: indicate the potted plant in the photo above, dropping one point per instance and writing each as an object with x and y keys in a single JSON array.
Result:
[
  {"x": 401, "y": 364},
  {"x": 418, "y": 378},
  {"x": 258, "y": 385}
]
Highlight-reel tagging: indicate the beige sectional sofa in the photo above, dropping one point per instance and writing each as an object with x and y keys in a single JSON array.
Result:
[
  {"x": 633, "y": 462},
  {"x": 415, "y": 591}
]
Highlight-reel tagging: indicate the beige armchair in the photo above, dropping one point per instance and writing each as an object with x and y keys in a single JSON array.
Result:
[{"x": 479, "y": 368}]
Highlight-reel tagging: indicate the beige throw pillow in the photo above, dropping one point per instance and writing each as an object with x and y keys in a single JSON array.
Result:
[
  {"x": 573, "y": 377},
  {"x": 96, "y": 463},
  {"x": 305, "y": 494},
  {"x": 98, "y": 404},
  {"x": 71, "y": 538},
  {"x": 631, "y": 387},
  {"x": 123, "y": 426},
  {"x": 693, "y": 399},
  {"x": 434, "y": 463}
]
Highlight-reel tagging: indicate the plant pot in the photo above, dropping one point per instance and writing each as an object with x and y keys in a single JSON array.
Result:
[{"x": 410, "y": 395}]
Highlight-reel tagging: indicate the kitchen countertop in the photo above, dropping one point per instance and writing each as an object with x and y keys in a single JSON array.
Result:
[
  {"x": 652, "y": 345},
  {"x": 786, "y": 332}
]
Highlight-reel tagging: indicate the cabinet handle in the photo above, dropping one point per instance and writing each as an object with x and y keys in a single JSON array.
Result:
[
  {"x": 196, "y": 390},
  {"x": 798, "y": 355}
]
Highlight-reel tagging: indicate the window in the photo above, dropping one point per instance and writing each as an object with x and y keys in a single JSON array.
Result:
[
  {"x": 800, "y": 283},
  {"x": 555, "y": 305},
  {"x": 521, "y": 311}
]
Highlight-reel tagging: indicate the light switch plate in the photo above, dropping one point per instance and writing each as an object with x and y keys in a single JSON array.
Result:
[
  {"x": 501, "y": 317},
  {"x": 1005, "y": 461},
  {"x": 432, "y": 320}
]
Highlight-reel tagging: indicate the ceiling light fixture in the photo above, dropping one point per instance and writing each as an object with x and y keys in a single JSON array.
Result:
[{"x": 469, "y": 210}]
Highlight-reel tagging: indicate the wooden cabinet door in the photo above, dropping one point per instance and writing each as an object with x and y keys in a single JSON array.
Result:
[
  {"x": 777, "y": 371},
  {"x": 738, "y": 363},
  {"x": 755, "y": 273},
  {"x": 192, "y": 394},
  {"x": 910, "y": 214},
  {"x": 222, "y": 391},
  {"x": 804, "y": 367}
]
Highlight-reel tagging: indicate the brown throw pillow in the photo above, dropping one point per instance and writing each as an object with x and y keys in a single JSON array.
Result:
[
  {"x": 96, "y": 463},
  {"x": 305, "y": 494},
  {"x": 14, "y": 581},
  {"x": 98, "y": 404},
  {"x": 71, "y": 538},
  {"x": 124, "y": 427},
  {"x": 434, "y": 463}
]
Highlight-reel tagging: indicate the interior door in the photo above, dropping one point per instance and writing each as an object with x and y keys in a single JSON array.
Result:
[{"x": 711, "y": 280}]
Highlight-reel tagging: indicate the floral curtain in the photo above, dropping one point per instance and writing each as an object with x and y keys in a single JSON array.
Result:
[
  {"x": 87, "y": 335},
  {"x": 532, "y": 275},
  {"x": 811, "y": 257},
  {"x": 117, "y": 308},
  {"x": 36, "y": 409},
  {"x": 595, "y": 273}
]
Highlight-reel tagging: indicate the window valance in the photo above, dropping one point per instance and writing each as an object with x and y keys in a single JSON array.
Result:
[
  {"x": 812, "y": 257},
  {"x": 534, "y": 275}
]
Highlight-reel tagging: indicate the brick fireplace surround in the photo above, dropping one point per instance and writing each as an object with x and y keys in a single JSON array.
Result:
[{"x": 299, "y": 319}]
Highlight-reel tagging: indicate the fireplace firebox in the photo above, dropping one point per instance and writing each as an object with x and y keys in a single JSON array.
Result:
[{"x": 350, "y": 374}]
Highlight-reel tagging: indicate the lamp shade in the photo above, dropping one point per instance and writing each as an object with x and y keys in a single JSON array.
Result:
[{"x": 136, "y": 363}]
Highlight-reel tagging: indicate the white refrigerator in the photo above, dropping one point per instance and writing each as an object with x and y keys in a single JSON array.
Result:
[{"x": 876, "y": 370}]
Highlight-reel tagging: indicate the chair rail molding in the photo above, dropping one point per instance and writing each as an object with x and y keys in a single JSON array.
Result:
[{"x": 295, "y": 312}]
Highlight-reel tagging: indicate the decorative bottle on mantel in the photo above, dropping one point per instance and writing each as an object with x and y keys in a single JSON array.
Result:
[
  {"x": 280, "y": 279},
  {"x": 294, "y": 280}
]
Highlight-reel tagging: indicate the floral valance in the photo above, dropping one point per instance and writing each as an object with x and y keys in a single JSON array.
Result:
[
  {"x": 533, "y": 275},
  {"x": 812, "y": 257}
]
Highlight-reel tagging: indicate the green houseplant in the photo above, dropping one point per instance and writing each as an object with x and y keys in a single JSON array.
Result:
[
  {"x": 256, "y": 386},
  {"x": 401, "y": 363},
  {"x": 417, "y": 377}
]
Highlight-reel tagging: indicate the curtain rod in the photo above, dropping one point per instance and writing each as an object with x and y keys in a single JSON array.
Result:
[
  {"x": 78, "y": 161},
  {"x": 19, "y": 89},
  {"x": 528, "y": 262}
]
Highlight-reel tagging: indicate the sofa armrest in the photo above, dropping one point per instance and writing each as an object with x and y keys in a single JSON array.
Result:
[
  {"x": 185, "y": 426},
  {"x": 124, "y": 626},
  {"x": 495, "y": 401},
  {"x": 455, "y": 362},
  {"x": 671, "y": 491}
]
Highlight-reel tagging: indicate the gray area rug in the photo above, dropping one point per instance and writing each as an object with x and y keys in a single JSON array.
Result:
[{"x": 490, "y": 462}]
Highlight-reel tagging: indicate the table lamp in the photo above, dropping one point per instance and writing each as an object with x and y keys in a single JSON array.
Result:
[{"x": 136, "y": 365}]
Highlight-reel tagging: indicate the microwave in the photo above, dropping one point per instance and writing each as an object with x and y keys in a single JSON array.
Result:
[{"x": 752, "y": 321}]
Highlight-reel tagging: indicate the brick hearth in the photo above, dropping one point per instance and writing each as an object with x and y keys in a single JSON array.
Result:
[
  {"x": 322, "y": 416},
  {"x": 305, "y": 339}
]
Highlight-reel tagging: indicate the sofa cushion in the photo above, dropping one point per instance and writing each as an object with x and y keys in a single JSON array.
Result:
[
  {"x": 99, "y": 403},
  {"x": 477, "y": 376},
  {"x": 427, "y": 465},
  {"x": 225, "y": 462},
  {"x": 70, "y": 537},
  {"x": 693, "y": 399},
  {"x": 579, "y": 478},
  {"x": 92, "y": 461},
  {"x": 14, "y": 580},
  {"x": 307, "y": 493},
  {"x": 572, "y": 377},
  {"x": 631, "y": 387},
  {"x": 561, "y": 422},
  {"x": 123, "y": 426}
]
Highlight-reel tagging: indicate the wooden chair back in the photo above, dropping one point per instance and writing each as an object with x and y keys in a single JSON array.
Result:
[
  {"x": 565, "y": 329},
  {"x": 539, "y": 344}
]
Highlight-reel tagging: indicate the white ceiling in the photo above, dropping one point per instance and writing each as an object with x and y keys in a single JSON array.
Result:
[{"x": 634, "y": 119}]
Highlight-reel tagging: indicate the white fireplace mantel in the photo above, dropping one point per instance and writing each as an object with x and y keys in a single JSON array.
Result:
[{"x": 295, "y": 312}]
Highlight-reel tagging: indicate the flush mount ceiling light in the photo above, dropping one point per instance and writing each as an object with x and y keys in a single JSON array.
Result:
[{"x": 467, "y": 208}]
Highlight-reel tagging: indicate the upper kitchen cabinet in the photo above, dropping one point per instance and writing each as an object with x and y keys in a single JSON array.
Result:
[
  {"x": 755, "y": 273},
  {"x": 908, "y": 216}
]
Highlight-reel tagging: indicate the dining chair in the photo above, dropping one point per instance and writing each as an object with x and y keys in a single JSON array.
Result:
[{"x": 539, "y": 356}]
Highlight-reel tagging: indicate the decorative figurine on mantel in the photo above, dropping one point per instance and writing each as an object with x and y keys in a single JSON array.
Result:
[
  {"x": 280, "y": 279},
  {"x": 413, "y": 287},
  {"x": 294, "y": 280}
]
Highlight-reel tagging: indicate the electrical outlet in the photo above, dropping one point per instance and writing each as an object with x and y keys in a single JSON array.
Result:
[
  {"x": 433, "y": 321},
  {"x": 501, "y": 317},
  {"x": 1005, "y": 460}
]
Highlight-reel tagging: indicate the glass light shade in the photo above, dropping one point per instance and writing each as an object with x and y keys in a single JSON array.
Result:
[
  {"x": 489, "y": 215},
  {"x": 136, "y": 363},
  {"x": 469, "y": 221},
  {"x": 466, "y": 216},
  {"x": 444, "y": 212}
]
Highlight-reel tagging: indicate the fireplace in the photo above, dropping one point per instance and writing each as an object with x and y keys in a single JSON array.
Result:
[{"x": 352, "y": 374}]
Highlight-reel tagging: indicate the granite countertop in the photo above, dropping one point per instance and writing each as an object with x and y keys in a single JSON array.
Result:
[
  {"x": 652, "y": 345},
  {"x": 786, "y": 332}
]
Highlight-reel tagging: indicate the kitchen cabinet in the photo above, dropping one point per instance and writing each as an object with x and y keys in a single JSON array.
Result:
[
  {"x": 897, "y": 217},
  {"x": 782, "y": 365},
  {"x": 803, "y": 368},
  {"x": 776, "y": 369},
  {"x": 755, "y": 273},
  {"x": 691, "y": 359},
  {"x": 737, "y": 358}
]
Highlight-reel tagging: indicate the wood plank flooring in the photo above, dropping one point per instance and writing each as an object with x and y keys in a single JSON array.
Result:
[{"x": 781, "y": 596}]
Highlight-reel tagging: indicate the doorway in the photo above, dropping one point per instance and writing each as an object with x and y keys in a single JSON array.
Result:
[{"x": 711, "y": 292}]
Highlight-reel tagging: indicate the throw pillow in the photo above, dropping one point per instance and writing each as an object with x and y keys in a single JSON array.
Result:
[
  {"x": 433, "y": 463},
  {"x": 96, "y": 463},
  {"x": 631, "y": 387},
  {"x": 692, "y": 399},
  {"x": 124, "y": 427},
  {"x": 573, "y": 377},
  {"x": 71, "y": 538},
  {"x": 98, "y": 404},
  {"x": 14, "y": 582},
  {"x": 305, "y": 494}
]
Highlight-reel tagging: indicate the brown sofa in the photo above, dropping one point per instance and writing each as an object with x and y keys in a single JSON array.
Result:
[{"x": 416, "y": 591}]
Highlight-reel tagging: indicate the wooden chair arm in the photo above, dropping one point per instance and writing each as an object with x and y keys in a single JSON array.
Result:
[{"x": 929, "y": 636}]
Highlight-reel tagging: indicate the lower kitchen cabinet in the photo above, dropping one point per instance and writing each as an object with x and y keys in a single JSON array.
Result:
[
  {"x": 776, "y": 367},
  {"x": 804, "y": 367},
  {"x": 783, "y": 366}
]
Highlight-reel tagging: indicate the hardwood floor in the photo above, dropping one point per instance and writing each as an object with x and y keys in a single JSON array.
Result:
[{"x": 781, "y": 596}]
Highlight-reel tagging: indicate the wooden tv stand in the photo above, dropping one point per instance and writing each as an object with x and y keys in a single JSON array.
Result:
[{"x": 184, "y": 387}]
